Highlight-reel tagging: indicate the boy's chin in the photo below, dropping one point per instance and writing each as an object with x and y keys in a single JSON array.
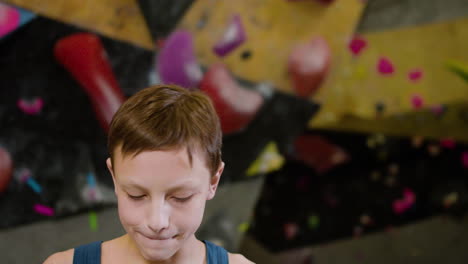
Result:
[
  {"x": 151, "y": 255},
  {"x": 154, "y": 251},
  {"x": 157, "y": 254}
]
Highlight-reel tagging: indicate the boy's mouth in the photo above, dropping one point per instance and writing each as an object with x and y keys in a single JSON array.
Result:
[{"x": 162, "y": 238}]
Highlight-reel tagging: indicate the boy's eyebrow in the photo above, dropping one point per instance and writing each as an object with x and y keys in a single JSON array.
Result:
[
  {"x": 133, "y": 185},
  {"x": 185, "y": 185}
]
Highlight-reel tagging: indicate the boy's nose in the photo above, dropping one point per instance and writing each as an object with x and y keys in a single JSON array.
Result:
[{"x": 159, "y": 217}]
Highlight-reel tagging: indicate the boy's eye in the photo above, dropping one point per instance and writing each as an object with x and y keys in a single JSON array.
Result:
[
  {"x": 137, "y": 197},
  {"x": 182, "y": 199}
]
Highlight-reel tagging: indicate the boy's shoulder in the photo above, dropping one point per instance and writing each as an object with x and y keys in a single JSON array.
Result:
[
  {"x": 238, "y": 259},
  {"x": 64, "y": 257}
]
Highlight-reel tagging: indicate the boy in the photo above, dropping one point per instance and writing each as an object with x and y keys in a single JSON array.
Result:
[{"x": 165, "y": 161}]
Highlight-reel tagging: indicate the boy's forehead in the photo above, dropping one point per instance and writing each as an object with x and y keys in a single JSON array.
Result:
[
  {"x": 150, "y": 166},
  {"x": 191, "y": 153}
]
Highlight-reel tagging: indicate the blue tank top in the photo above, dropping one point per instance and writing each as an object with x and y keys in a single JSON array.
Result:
[{"x": 91, "y": 254}]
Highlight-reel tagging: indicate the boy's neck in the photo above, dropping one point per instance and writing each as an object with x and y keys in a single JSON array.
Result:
[{"x": 193, "y": 251}]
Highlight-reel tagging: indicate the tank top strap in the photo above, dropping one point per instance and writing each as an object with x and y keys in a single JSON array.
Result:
[
  {"x": 215, "y": 254},
  {"x": 88, "y": 254}
]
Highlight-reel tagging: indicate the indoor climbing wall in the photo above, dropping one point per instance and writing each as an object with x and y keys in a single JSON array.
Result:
[
  {"x": 401, "y": 82},
  {"x": 378, "y": 82},
  {"x": 387, "y": 82}
]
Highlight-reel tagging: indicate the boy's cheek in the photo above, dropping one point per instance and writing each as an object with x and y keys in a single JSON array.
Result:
[
  {"x": 196, "y": 214},
  {"x": 128, "y": 214}
]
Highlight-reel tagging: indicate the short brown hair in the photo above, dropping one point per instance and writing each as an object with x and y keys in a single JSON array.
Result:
[{"x": 164, "y": 117}]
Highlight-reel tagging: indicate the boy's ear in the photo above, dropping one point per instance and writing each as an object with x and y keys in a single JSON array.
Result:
[
  {"x": 214, "y": 181},
  {"x": 111, "y": 170}
]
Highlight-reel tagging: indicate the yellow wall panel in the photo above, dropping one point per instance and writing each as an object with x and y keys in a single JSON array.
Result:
[
  {"x": 273, "y": 27},
  {"x": 357, "y": 86},
  {"x": 119, "y": 19}
]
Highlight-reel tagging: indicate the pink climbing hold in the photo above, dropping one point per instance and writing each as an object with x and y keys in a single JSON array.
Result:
[
  {"x": 290, "y": 230},
  {"x": 9, "y": 19},
  {"x": 447, "y": 143},
  {"x": 399, "y": 207},
  {"x": 31, "y": 107},
  {"x": 308, "y": 65},
  {"x": 43, "y": 210},
  {"x": 464, "y": 159},
  {"x": 357, "y": 45},
  {"x": 415, "y": 75},
  {"x": 402, "y": 205},
  {"x": 409, "y": 196},
  {"x": 417, "y": 101},
  {"x": 385, "y": 66}
]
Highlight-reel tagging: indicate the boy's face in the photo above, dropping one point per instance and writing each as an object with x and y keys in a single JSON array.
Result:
[{"x": 161, "y": 198}]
